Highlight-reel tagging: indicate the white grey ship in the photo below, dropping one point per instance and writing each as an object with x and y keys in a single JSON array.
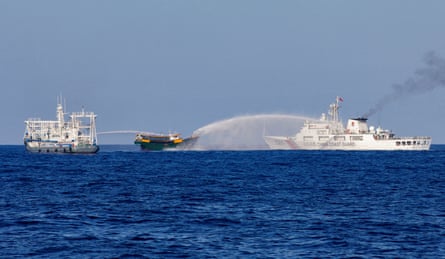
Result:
[
  {"x": 328, "y": 133},
  {"x": 77, "y": 135}
]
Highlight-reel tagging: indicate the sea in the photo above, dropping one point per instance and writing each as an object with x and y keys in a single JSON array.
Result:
[{"x": 127, "y": 203}]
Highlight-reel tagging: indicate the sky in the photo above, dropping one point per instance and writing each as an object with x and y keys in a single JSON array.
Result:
[{"x": 165, "y": 65}]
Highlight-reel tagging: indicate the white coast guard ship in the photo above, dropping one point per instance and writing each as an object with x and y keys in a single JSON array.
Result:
[
  {"x": 328, "y": 133},
  {"x": 78, "y": 135}
]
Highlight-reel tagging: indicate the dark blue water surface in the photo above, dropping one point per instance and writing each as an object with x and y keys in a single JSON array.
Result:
[{"x": 123, "y": 202}]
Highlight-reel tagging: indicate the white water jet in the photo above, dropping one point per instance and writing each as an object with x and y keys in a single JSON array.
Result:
[{"x": 246, "y": 132}]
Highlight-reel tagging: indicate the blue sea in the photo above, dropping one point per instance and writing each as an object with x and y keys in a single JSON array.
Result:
[{"x": 126, "y": 203}]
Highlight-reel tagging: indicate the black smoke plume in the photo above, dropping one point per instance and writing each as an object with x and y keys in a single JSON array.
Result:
[{"x": 425, "y": 79}]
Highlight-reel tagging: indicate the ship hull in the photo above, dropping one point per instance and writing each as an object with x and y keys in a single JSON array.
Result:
[
  {"x": 366, "y": 142},
  {"x": 280, "y": 142},
  {"x": 186, "y": 143},
  {"x": 54, "y": 147},
  {"x": 156, "y": 146}
]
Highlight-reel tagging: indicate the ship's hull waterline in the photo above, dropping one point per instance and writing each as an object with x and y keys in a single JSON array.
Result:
[{"x": 43, "y": 147}]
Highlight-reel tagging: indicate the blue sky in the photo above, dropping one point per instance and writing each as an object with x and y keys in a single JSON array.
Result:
[{"x": 180, "y": 65}]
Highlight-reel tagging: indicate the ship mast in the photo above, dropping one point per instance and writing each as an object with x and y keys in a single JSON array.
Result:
[
  {"x": 60, "y": 116},
  {"x": 333, "y": 110}
]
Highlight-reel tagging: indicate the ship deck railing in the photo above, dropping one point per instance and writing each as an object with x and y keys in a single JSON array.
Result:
[
  {"x": 83, "y": 114},
  {"x": 415, "y": 137}
]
